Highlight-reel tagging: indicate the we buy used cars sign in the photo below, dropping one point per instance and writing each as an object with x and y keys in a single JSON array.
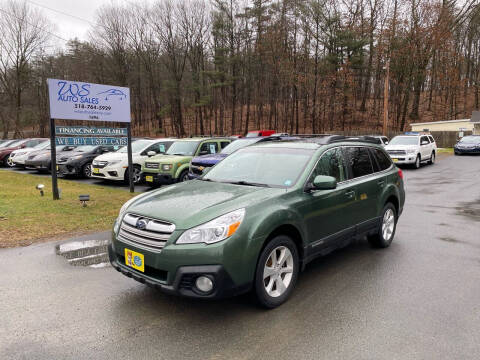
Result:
[{"x": 72, "y": 100}]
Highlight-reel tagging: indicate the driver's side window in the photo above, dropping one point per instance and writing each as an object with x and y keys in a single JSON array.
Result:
[
  {"x": 208, "y": 148},
  {"x": 331, "y": 163}
]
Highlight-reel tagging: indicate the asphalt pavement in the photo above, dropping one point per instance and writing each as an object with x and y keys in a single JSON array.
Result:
[{"x": 418, "y": 299}]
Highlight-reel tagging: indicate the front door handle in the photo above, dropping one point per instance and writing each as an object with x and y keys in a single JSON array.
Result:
[
  {"x": 381, "y": 183},
  {"x": 350, "y": 194}
]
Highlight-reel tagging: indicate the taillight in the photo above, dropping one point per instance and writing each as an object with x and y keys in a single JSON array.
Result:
[{"x": 400, "y": 173}]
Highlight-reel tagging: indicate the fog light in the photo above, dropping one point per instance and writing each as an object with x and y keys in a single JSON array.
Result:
[{"x": 204, "y": 284}]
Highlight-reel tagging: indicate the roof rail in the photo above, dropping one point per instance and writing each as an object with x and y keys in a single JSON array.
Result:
[
  {"x": 310, "y": 135},
  {"x": 362, "y": 138}
]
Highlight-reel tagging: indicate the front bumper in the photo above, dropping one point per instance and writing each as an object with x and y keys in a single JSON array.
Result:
[
  {"x": 193, "y": 176},
  {"x": 404, "y": 159},
  {"x": 38, "y": 164},
  {"x": 68, "y": 169},
  {"x": 108, "y": 172},
  {"x": 475, "y": 150},
  {"x": 157, "y": 179},
  {"x": 19, "y": 160},
  {"x": 182, "y": 282}
]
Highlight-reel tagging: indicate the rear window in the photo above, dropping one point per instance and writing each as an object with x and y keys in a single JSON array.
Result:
[
  {"x": 359, "y": 160},
  {"x": 383, "y": 161}
]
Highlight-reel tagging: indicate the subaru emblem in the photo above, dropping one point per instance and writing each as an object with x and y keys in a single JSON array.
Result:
[{"x": 141, "y": 224}]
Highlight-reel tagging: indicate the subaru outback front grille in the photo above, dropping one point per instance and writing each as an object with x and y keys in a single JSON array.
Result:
[
  {"x": 150, "y": 165},
  {"x": 145, "y": 232}
]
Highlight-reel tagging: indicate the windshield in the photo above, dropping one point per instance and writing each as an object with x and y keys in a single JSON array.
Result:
[
  {"x": 137, "y": 146},
  {"x": 16, "y": 143},
  {"x": 470, "y": 140},
  {"x": 277, "y": 167},
  {"x": 404, "y": 140},
  {"x": 183, "y": 148},
  {"x": 42, "y": 145},
  {"x": 238, "y": 144},
  {"x": 85, "y": 148},
  {"x": 7, "y": 143}
]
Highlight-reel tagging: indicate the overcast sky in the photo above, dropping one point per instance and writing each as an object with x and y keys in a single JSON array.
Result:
[{"x": 69, "y": 27}]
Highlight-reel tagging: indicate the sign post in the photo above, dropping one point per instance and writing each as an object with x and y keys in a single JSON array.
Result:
[
  {"x": 53, "y": 161},
  {"x": 73, "y": 100}
]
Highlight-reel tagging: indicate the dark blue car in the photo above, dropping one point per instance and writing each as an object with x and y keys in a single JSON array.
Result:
[
  {"x": 467, "y": 145},
  {"x": 199, "y": 163}
]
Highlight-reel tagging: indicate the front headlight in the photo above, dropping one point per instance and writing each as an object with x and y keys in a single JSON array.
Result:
[
  {"x": 411, "y": 151},
  {"x": 75, "y": 157},
  {"x": 167, "y": 167},
  {"x": 214, "y": 231}
]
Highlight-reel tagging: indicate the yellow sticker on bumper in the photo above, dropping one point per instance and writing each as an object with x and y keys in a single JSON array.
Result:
[{"x": 134, "y": 260}]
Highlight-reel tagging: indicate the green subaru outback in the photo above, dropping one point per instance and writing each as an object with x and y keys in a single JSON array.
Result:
[
  {"x": 258, "y": 217},
  {"x": 173, "y": 166}
]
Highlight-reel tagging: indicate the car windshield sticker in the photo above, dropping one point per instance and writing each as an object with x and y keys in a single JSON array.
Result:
[
  {"x": 288, "y": 182},
  {"x": 162, "y": 148},
  {"x": 212, "y": 148}
]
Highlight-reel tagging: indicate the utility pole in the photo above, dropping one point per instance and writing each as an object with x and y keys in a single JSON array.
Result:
[{"x": 385, "y": 97}]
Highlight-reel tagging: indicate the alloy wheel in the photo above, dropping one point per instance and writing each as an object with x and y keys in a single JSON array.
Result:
[
  {"x": 10, "y": 162},
  {"x": 278, "y": 271},
  {"x": 136, "y": 175},
  {"x": 432, "y": 159},
  {"x": 417, "y": 162},
  {"x": 87, "y": 170},
  {"x": 388, "y": 224}
]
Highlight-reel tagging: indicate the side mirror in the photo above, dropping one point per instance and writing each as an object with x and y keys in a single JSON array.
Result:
[
  {"x": 206, "y": 170},
  {"x": 424, "y": 143},
  {"x": 386, "y": 142},
  {"x": 151, "y": 153},
  {"x": 322, "y": 182}
]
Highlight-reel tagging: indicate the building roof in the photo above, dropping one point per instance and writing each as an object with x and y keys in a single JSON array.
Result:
[{"x": 442, "y": 122}]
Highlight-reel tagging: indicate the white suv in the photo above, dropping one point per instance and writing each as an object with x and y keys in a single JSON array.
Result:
[
  {"x": 412, "y": 149},
  {"x": 114, "y": 165}
]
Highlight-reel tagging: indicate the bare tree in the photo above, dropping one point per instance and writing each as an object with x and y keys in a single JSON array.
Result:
[{"x": 24, "y": 33}]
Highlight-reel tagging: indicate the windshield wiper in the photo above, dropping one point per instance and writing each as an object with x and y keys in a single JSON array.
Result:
[{"x": 247, "y": 183}]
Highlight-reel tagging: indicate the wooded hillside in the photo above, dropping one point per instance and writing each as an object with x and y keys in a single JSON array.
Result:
[{"x": 226, "y": 66}]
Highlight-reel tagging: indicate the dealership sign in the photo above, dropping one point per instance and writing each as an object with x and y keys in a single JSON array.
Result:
[
  {"x": 73, "y": 100},
  {"x": 95, "y": 141},
  {"x": 89, "y": 131}
]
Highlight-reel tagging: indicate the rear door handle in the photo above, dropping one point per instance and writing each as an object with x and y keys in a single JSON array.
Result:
[{"x": 350, "y": 194}]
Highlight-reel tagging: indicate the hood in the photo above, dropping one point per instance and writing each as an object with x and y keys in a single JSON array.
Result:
[
  {"x": 111, "y": 156},
  {"x": 400, "y": 147},
  {"x": 195, "y": 202},
  {"x": 211, "y": 159},
  {"x": 26, "y": 150},
  {"x": 169, "y": 159}
]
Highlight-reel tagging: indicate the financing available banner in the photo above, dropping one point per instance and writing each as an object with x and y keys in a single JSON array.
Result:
[
  {"x": 89, "y": 131},
  {"x": 73, "y": 100}
]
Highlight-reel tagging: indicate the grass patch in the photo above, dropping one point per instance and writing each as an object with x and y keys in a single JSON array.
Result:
[
  {"x": 26, "y": 217},
  {"x": 445, "y": 150}
]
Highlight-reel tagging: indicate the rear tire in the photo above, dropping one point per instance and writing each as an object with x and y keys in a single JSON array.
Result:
[
  {"x": 277, "y": 272},
  {"x": 386, "y": 231},
  {"x": 87, "y": 170}
]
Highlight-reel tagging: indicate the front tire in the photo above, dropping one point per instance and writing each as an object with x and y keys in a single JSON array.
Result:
[
  {"x": 9, "y": 162},
  {"x": 183, "y": 176},
  {"x": 277, "y": 272},
  {"x": 137, "y": 175},
  {"x": 418, "y": 162},
  {"x": 432, "y": 158},
  {"x": 386, "y": 231}
]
